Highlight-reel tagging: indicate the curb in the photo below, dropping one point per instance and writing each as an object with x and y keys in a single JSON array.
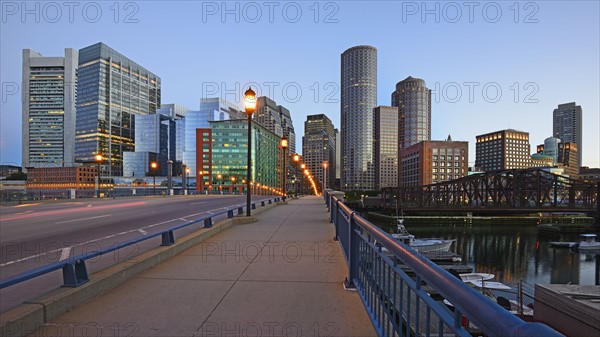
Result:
[{"x": 31, "y": 315}]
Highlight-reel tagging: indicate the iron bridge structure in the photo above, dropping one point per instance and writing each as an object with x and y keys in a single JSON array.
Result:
[{"x": 514, "y": 191}]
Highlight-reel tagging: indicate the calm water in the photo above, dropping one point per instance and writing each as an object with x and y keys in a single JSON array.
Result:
[{"x": 515, "y": 253}]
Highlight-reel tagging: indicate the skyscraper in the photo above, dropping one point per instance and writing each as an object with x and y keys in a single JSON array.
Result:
[
  {"x": 503, "y": 150},
  {"x": 413, "y": 100},
  {"x": 112, "y": 89},
  {"x": 386, "y": 146},
  {"x": 358, "y": 98},
  {"x": 49, "y": 91},
  {"x": 566, "y": 125},
  {"x": 318, "y": 146},
  {"x": 276, "y": 119}
]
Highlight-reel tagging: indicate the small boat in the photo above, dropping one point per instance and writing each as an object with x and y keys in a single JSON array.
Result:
[
  {"x": 588, "y": 242},
  {"x": 561, "y": 244},
  {"x": 420, "y": 245},
  {"x": 466, "y": 277},
  {"x": 489, "y": 285}
]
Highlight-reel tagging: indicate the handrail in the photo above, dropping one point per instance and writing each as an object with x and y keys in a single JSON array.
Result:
[
  {"x": 492, "y": 319},
  {"x": 78, "y": 262}
]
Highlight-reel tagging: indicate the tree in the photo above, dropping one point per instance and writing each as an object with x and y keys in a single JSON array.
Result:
[{"x": 16, "y": 176}]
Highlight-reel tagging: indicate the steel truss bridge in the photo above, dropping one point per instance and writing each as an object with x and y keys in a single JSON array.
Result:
[{"x": 525, "y": 191}]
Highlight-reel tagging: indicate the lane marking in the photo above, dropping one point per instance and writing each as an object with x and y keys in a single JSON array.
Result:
[
  {"x": 199, "y": 202},
  {"x": 182, "y": 219},
  {"x": 92, "y": 217},
  {"x": 66, "y": 252},
  {"x": 142, "y": 231}
]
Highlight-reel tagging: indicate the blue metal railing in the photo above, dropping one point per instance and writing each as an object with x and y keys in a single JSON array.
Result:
[
  {"x": 397, "y": 303},
  {"x": 75, "y": 270}
]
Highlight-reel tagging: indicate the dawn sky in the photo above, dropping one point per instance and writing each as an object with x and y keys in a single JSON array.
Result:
[{"x": 491, "y": 65}]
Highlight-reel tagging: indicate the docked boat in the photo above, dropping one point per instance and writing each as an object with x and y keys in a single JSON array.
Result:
[
  {"x": 587, "y": 243},
  {"x": 421, "y": 245},
  {"x": 467, "y": 277}
]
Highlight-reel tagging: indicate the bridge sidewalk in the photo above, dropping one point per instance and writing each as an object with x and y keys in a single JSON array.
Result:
[{"x": 279, "y": 276}]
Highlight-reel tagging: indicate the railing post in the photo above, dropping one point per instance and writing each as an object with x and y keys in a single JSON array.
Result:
[
  {"x": 269, "y": 201},
  {"x": 353, "y": 253},
  {"x": 75, "y": 274},
  {"x": 208, "y": 222},
  {"x": 334, "y": 218},
  {"x": 240, "y": 210},
  {"x": 168, "y": 238},
  {"x": 230, "y": 213},
  {"x": 262, "y": 203},
  {"x": 253, "y": 206}
]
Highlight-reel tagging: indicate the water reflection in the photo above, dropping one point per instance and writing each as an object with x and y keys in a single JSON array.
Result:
[{"x": 515, "y": 253}]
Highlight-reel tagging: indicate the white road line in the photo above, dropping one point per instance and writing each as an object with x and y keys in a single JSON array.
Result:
[
  {"x": 92, "y": 217},
  {"x": 182, "y": 219},
  {"x": 142, "y": 231},
  {"x": 66, "y": 252},
  {"x": 199, "y": 202}
]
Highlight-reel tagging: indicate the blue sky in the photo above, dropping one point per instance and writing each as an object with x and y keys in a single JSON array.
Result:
[{"x": 492, "y": 65}]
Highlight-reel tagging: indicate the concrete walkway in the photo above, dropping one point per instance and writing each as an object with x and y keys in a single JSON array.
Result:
[{"x": 279, "y": 276}]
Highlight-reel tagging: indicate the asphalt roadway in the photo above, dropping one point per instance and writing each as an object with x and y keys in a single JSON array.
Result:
[{"x": 34, "y": 235}]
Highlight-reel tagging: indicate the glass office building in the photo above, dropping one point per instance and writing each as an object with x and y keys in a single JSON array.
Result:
[
  {"x": 567, "y": 125},
  {"x": 318, "y": 146},
  {"x": 112, "y": 89},
  {"x": 223, "y": 155},
  {"x": 277, "y": 119},
  {"x": 386, "y": 146},
  {"x": 358, "y": 98},
  {"x": 48, "y": 113}
]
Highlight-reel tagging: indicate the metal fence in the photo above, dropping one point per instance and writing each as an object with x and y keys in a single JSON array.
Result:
[
  {"x": 399, "y": 304},
  {"x": 75, "y": 271}
]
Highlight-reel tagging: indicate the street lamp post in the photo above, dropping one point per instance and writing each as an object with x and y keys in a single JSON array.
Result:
[
  {"x": 284, "y": 146},
  {"x": 325, "y": 164},
  {"x": 187, "y": 182},
  {"x": 303, "y": 167},
  {"x": 98, "y": 161},
  {"x": 153, "y": 165},
  {"x": 250, "y": 106}
]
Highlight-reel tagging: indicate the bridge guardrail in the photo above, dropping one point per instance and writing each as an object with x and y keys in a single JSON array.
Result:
[
  {"x": 397, "y": 304},
  {"x": 75, "y": 270}
]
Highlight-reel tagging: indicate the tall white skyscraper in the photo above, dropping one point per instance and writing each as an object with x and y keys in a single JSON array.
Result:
[{"x": 358, "y": 98}]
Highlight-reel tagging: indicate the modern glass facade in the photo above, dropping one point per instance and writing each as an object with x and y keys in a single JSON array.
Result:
[
  {"x": 318, "y": 146},
  {"x": 413, "y": 100},
  {"x": 566, "y": 125},
  {"x": 211, "y": 109},
  {"x": 112, "y": 90},
  {"x": 358, "y": 98},
  {"x": 225, "y": 166},
  {"x": 48, "y": 114},
  {"x": 386, "y": 146}
]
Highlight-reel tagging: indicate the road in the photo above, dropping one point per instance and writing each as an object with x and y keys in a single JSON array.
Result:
[{"x": 38, "y": 234}]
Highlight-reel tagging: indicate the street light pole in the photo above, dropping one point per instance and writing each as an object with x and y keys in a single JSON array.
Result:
[
  {"x": 187, "y": 181},
  {"x": 250, "y": 106},
  {"x": 303, "y": 167},
  {"x": 98, "y": 161},
  {"x": 325, "y": 164},
  {"x": 153, "y": 165},
  {"x": 284, "y": 146}
]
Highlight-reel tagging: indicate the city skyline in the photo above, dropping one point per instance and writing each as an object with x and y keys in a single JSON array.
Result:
[{"x": 448, "y": 56}]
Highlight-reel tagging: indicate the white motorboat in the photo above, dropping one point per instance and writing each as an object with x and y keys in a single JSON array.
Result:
[
  {"x": 421, "y": 245},
  {"x": 466, "y": 277},
  {"x": 588, "y": 242},
  {"x": 489, "y": 285}
]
